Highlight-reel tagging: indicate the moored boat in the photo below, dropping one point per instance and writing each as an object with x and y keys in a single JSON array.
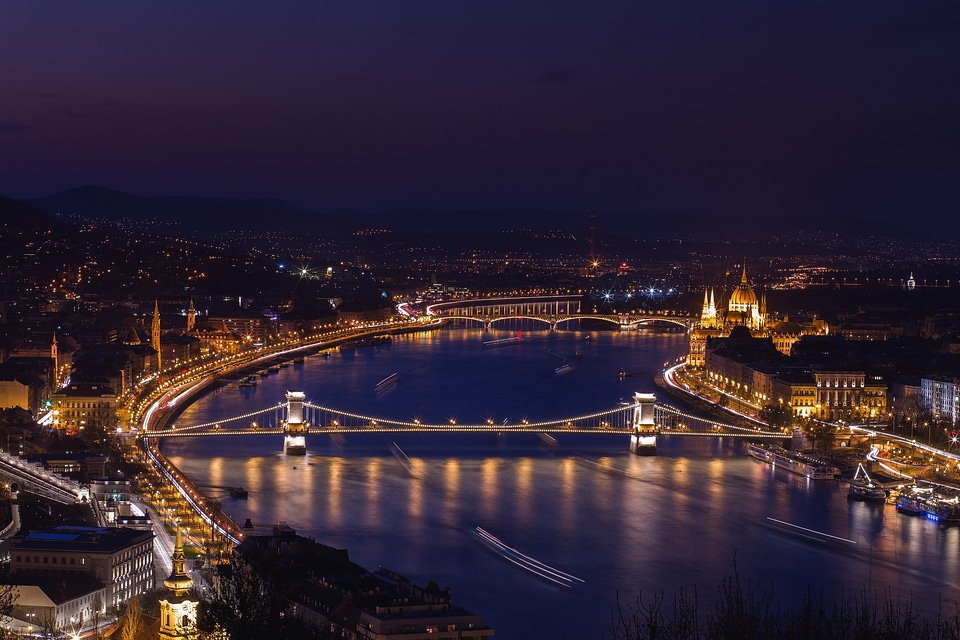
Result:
[
  {"x": 759, "y": 452},
  {"x": 910, "y": 504},
  {"x": 924, "y": 501},
  {"x": 248, "y": 381},
  {"x": 793, "y": 461},
  {"x": 863, "y": 487}
]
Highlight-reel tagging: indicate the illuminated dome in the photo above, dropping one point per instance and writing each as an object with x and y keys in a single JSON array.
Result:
[{"x": 743, "y": 296}]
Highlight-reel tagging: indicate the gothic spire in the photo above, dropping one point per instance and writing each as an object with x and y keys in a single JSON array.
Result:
[{"x": 155, "y": 333}]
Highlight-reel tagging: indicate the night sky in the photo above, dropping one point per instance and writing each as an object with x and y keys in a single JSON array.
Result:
[{"x": 673, "y": 106}]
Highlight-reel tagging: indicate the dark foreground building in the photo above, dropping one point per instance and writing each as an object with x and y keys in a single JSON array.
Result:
[{"x": 331, "y": 592}]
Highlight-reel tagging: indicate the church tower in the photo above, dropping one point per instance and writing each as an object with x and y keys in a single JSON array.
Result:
[
  {"x": 155, "y": 332},
  {"x": 708, "y": 317},
  {"x": 56, "y": 369},
  {"x": 191, "y": 317},
  {"x": 178, "y": 612}
]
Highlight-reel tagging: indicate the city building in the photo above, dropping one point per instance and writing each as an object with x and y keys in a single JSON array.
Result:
[
  {"x": 797, "y": 391},
  {"x": 215, "y": 337},
  {"x": 112, "y": 497},
  {"x": 940, "y": 395},
  {"x": 26, "y": 382},
  {"x": 121, "y": 559},
  {"x": 47, "y": 602},
  {"x": 752, "y": 370},
  {"x": 849, "y": 395},
  {"x": 78, "y": 465},
  {"x": 742, "y": 366},
  {"x": 331, "y": 592},
  {"x": 76, "y": 406},
  {"x": 21, "y": 393},
  {"x": 745, "y": 309}
]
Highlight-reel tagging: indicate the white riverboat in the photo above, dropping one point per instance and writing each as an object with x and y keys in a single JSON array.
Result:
[
  {"x": 924, "y": 500},
  {"x": 863, "y": 487},
  {"x": 793, "y": 461}
]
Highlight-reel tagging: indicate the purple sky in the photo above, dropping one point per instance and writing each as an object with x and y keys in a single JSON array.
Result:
[{"x": 665, "y": 106}]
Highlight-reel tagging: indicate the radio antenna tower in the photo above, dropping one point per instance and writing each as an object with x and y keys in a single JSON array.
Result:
[{"x": 593, "y": 238}]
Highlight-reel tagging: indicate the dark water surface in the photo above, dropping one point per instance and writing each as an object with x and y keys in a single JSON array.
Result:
[{"x": 589, "y": 508}]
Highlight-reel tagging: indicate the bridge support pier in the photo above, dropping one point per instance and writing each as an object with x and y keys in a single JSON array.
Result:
[
  {"x": 295, "y": 430},
  {"x": 643, "y": 444},
  {"x": 643, "y": 440}
]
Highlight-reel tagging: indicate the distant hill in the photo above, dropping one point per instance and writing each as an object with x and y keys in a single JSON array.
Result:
[
  {"x": 638, "y": 226},
  {"x": 20, "y": 216},
  {"x": 207, "y": 216},
  {"x": 188, "y": 216}
]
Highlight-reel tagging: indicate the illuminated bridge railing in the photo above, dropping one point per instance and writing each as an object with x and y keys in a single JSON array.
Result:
[
  {"x": 329, "y": 420},
  {"x": 507, "y": 307},
  {"x": 552, "y": 310}
]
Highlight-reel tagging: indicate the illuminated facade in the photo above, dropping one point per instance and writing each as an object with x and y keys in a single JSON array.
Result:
[
  {"x": 798, "y": 393},
  {"x": 744, "y": 309},
  {"x": 941, "y": 396},
  {"x": 77, "y": 405},
  {"x": 849, "y": 395},
  {"x": 214, "y": 336}
]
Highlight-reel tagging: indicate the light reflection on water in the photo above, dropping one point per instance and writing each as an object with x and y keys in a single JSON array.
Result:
[{"x": 633, "y": 524}]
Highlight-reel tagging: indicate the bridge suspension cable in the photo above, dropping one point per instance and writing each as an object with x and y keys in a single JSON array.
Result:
[
  {"x": 278, "y": 408},
  {"x": 667, "y": 409}
]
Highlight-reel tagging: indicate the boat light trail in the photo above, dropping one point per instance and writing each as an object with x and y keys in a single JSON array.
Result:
[
  {"x": 526, "y": 562},
  {"x": 819, "y": 533}
]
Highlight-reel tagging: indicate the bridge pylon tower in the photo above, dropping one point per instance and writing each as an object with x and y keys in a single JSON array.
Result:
[
  {"x": 295, "y": 429},
  {"x": 643, "y": 440}
]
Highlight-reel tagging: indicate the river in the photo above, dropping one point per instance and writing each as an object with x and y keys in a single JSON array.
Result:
[{"x": 623, "y": 524}]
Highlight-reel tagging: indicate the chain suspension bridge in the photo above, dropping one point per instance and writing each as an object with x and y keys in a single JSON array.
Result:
[{"x": 297, "y": 418}]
